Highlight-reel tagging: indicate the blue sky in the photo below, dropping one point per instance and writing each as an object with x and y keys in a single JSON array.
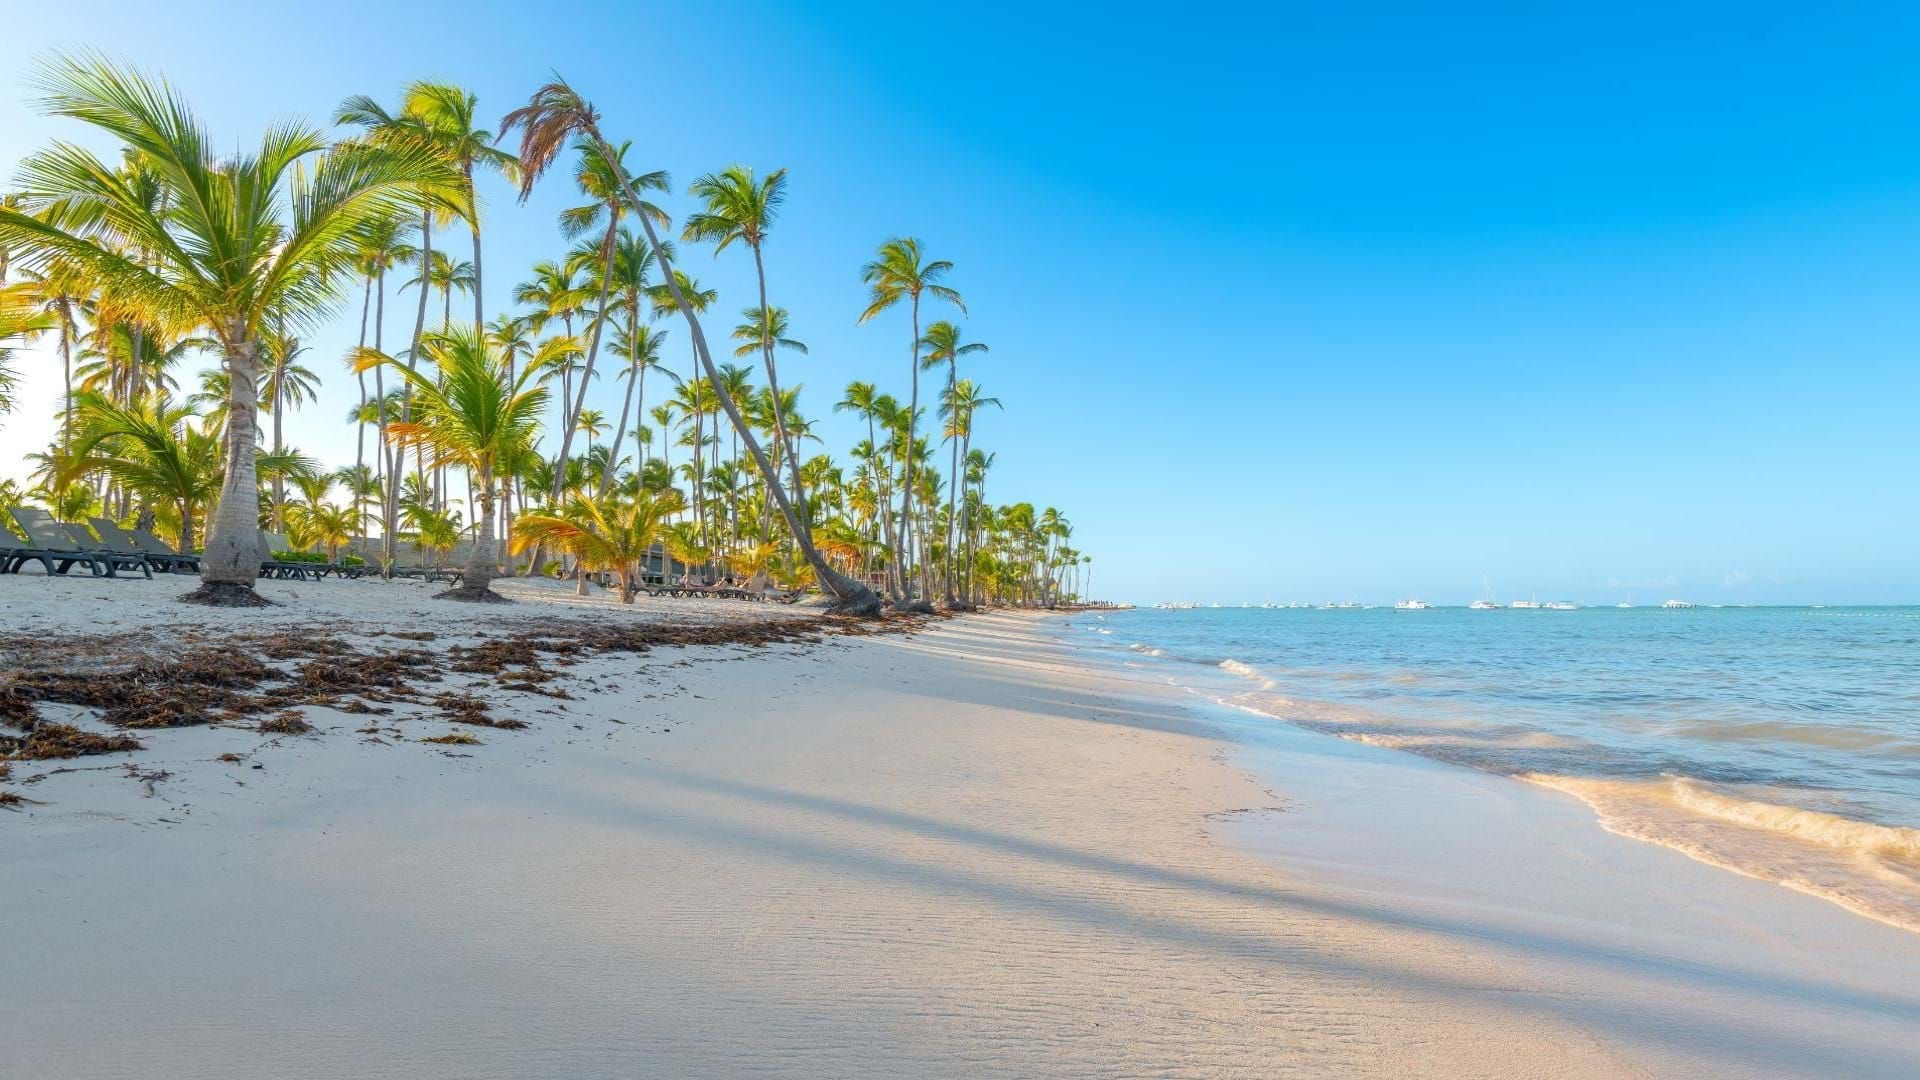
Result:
[{"x": 1290, "y": 302}]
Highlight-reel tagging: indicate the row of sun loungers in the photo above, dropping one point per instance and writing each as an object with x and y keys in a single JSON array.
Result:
[
  {"x": 109, "y": 549},
  {"x": 59, "y": 548}
]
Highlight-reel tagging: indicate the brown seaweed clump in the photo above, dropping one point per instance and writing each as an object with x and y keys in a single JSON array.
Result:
[
  {"x": 287, "y": 723},
  {"x": 453, "y": 738},
  {"x": 46, "y": 741}
]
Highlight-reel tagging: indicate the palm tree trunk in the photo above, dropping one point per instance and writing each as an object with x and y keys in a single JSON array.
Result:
[
  {"x": 419, "y": 331},
  {"x": 593, "y": 352},
  {"x": 953, "y": 476},
  {"x": 773, "y": 381},
  {"x": 473, "y": 210},
  {"x": 850, "y": 596},
  {"x": 626, "y": 408},
  {"x": 390, "y": 461},
  {"x": 66, "y": 367},
  {"x": 231, "y": 563},
  {"x": 906, "y": 488},
  {"x": 360, "y": 420},
  {"x": 480, "y": 562}
]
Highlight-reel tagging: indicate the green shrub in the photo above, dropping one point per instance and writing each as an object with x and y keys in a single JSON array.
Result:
[{"x": 300, "y": 556}]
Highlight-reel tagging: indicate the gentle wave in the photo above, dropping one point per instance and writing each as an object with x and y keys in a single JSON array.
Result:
[
  {"x": 1248, "y": 671},
  {"x": 1867, "y": 868},
  {"x": 1871, "y": 870}
]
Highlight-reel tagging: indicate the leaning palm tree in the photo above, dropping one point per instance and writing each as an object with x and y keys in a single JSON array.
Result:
[
  {"x": 899, "y": 272},
  {"x": 550, "y": 119},
  {"x": 241, "y": 237},
  {"x": 943, "y": 345},
  {"x": 473, "y": 417},
  {"x": 605, "y": 533}
]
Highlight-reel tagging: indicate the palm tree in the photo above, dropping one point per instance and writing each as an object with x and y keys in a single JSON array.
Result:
[
  {"x": 241, "y": 237},
  {"x": 472, "y": 417},
  {"x": 962, "y": 400},
  {"x": 552, "y": 117},
  {"x": 151, "y": 450},
  {"x": 20, "y": 320},
  {"x": 288, "y": 385},
  {"x": 899, "y": 272},
  {"x": 642, "y": 345},
  {"x": 590, "y": 422},
  {"x": 602, "y": 177},
  {"x": 604, "y": 533},
  {"x": 741, "y": 207},
  {"x": 447, "y": 113},
  {"x": 943, "y": 345}
]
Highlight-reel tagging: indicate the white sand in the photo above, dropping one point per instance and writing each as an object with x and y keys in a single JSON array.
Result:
[{"x": 963, "y": 853}]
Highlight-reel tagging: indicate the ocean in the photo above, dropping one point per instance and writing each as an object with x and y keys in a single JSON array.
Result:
[{"x": 1778, "y": 742}]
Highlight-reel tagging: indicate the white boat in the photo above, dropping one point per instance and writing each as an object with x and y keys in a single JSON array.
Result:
[
  {"x": 1677, "y": 604},
  {"x": 1488, "y": 603},
  {"x": 1412, "y": 605},
  {"x": 1623, "y": 604},
  {"x": 1525, "y": 605},
  {"x": 1562, "y": 605}
]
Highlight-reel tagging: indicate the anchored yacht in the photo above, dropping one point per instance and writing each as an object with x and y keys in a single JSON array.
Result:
[{"x": 1412, "y": 605}]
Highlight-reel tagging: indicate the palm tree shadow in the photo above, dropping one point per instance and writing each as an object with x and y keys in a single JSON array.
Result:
[{"x": 1659, "y": 1019}]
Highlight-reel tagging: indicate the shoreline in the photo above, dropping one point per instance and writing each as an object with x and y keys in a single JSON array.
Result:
[{"x": 963, "y": 850}]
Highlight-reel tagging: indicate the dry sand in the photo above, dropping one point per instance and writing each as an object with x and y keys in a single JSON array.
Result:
[{"x": 962, "y": 852}]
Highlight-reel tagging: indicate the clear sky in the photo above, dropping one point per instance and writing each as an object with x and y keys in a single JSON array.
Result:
[{"x": 1287, "y": 302}]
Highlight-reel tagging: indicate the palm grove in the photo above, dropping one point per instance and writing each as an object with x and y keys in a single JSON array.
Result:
[{"x": 473, "y": 428}]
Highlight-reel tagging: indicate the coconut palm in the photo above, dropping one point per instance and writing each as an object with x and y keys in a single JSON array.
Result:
[
  {"x": 899, "y": 271},
  {"x": 943, "y": 345},
  {"x": 740, "y": 207},
  {"x": 556, "y": 115},
  {"x": 447, "y": 114},
  {"x": 641, "y": 344},
  {"x": 241, "y": 238},
  {"x": 153, "y": 450},
  {"x": 610, "y": 532},
  {"x": 602, "y": 178},
  {"x": 21, "y": 320},
  {"x": 471, "y": 417}
]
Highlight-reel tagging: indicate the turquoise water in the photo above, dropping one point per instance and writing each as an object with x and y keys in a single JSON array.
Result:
[{"x": 1779, "y": 742}]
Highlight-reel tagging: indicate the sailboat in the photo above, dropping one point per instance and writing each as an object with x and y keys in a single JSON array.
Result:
[{"x": 1488, "y": 603}]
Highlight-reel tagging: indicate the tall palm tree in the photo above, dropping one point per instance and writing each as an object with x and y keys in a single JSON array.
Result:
[
  {"x": 740, "y": 207},
  {"x": 641, "y": 343},
  {"x": 602, "y": 178},
  {"x": 382, "y": 246},
  {"x": 962, "y": 400},
  {"x": 900, "y": 272},
  {"x": 555, "y": 115},
  {"x": 472, "y": 417},
  {"x": 447, "y": 113},
  {"x": 943, "y": 345},
  {"x": 407, "y": 131},
  {"x": 241, "y": 237}
]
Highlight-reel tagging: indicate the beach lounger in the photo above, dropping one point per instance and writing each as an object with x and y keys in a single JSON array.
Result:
[
  {"x": 120, "y": 541},
  {"x": 157, "y": 549},
  {"x": 271, "y": 567},
  {"x": 59, "y": 548}
]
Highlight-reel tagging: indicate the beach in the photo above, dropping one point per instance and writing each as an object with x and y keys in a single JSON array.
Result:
[{"x": 956, "y": 847}]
